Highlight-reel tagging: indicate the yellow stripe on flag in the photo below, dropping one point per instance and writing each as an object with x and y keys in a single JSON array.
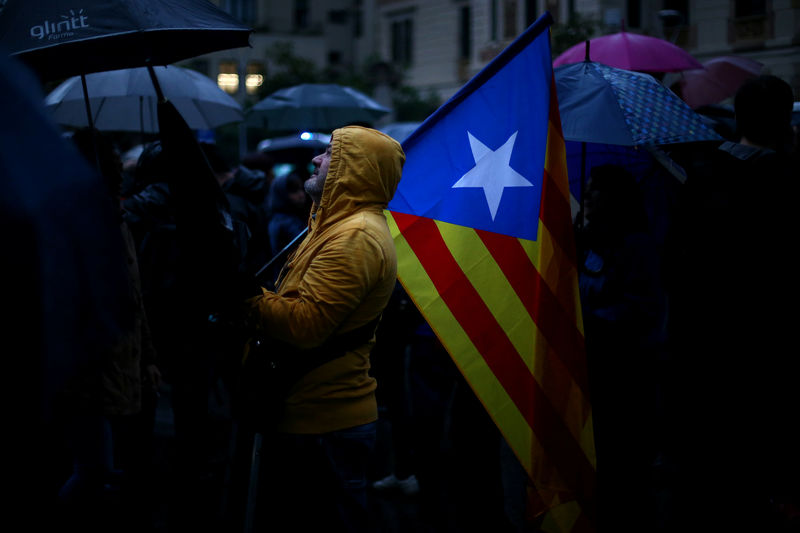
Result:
[
  {"x": 492, "y": 395},
  {"x": 489, "y": 280},
  {"x": 566, "y": 397}
]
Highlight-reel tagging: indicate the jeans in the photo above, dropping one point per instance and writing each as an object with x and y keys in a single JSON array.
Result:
[
  {"x": 89, "y": 439},
  {"x": 312, "y": 482}
]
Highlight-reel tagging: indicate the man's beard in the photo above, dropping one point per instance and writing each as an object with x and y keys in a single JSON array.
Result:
[{"x": 314, "y": 186}]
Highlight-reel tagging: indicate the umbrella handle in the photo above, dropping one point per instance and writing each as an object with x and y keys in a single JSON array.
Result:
[
  {"x": 156, "y": 85},
  {"x": 90, "y": 120}
]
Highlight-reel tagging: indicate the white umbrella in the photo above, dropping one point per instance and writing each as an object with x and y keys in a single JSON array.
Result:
[
  {"x": 125, "y": 100},
  {"x": 315, "y": 107}
]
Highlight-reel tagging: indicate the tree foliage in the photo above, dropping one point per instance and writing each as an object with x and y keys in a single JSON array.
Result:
[
  {"x": 577, "y": 29},
  {"x": 287, "y": 69},
  {"x": 410, "y": 106}
]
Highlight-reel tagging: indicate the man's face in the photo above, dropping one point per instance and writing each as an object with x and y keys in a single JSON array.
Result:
[{"x": 316, "y": 182}]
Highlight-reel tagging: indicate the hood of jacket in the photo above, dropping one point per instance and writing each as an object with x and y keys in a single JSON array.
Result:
[{"x": 364, "y": 172}]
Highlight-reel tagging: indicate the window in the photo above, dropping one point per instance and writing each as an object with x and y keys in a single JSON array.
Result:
[
  {"x": 750, "y": 8},
  {"x": 358, "y": 20},
  {"x": 301, "y": 14},
  {"x": 681, "y": 6},
  {"x": 337, "y": 16},
  {"x": 402, "y": 41},
  {"x": 493, "y": 8},
  {"x": 228, "y": 77},
  {"x": 254, "y": 78},
  {"x": 752, "y": 21},
  {"x": 510, "y": 19},
  {"x": 634, "y": 13},
  {"x": 242, "y": 10},
  {"x": 464, "y": 34},
  {"x": 530, "y": 12},
  {"x": 554, "y": 8}
]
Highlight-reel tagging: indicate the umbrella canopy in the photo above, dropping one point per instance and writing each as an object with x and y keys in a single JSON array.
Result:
[
  {"x": 60, "y": 38},
  {"x": 125, "y": 100},
  {"x": 630, "y": 51},
  {"x": 605, "y": 105},
  {"x": 601, "y": 104},
  {"x": 315, "y": 107},
  {"x": 65, "y": 251},
  {"x": 720, "y": 78}
]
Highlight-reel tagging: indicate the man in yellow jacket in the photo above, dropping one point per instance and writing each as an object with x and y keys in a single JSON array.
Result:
[{"x": 333, "y": 287}]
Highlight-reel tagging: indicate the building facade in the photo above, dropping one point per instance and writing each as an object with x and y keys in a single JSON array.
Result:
[{"x": 437, "y": 45}]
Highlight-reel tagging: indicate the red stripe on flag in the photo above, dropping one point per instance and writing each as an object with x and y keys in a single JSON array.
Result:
[
  {"x": 499, "y": 353},
  {"x": 555, "y": 214},
  {"x": 557, "y": 326},
  {"x": 584, "y": 524},
  {"x": 555, "y": 113}
]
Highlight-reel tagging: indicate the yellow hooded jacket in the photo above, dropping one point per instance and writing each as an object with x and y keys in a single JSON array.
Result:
[{"x": 339, "y": 278}]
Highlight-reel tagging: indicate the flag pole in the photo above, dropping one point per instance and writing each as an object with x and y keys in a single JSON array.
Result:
[{"x": 280, "y": 254}]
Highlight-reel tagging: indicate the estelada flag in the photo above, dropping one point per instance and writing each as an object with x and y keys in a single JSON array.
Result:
[{"x": 483, "y": 231}]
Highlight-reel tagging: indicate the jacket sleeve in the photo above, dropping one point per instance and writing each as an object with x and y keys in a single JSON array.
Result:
[{"x": 333, "y": 289}]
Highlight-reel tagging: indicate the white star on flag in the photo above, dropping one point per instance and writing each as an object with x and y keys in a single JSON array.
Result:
[{"x": 492, "y": 171}]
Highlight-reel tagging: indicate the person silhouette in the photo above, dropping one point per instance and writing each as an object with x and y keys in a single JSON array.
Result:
[
  {"x": 624, "y": 311},
  {"x": 731, "y": 276}
]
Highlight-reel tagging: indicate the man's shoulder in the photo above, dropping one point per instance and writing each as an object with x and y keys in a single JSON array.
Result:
[
  {"x": 363, "y": 229},
  {"x": 366, "y": 221}
]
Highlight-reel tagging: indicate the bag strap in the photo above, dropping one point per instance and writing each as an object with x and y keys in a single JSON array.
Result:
[{"x": 338, "y": 345}]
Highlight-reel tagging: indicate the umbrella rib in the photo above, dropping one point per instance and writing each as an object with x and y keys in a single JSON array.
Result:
[
  {"x": 202, "y": 113},
  {"x": 97, "y": 114}
]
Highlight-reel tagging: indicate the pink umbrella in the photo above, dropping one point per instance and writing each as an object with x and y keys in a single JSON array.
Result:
[
  {"x": 720, "y": 79},
  {"x": 631, "y": 51}
]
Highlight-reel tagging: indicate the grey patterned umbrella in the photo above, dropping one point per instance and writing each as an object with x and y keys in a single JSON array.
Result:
[
  {"x": 602, "y": 104},
  {"x": 607, "y": 105}
]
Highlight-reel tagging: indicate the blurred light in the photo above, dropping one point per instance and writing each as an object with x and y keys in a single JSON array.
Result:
[
  {"x": 306, "y": 136},
  {"x": 282, "y": 169},
  {"x": 252, "y": 82},
  {"x": 228, "y": 82}
]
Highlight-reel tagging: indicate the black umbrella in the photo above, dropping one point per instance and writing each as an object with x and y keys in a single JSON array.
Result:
[
  {"x": 58, "y": 39},
  {"x": 315, "y": 107},
  {"x": 65, "y": 284},
  {"x": 62, "y": 38},
  {"x": 63, "y": 253}
]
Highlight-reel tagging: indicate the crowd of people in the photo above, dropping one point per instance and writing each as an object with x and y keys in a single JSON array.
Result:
[
  {"x": 688, "y": 323},
  {"x": 326, "y": 298},
  {"x": 693, "y": 389}
]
